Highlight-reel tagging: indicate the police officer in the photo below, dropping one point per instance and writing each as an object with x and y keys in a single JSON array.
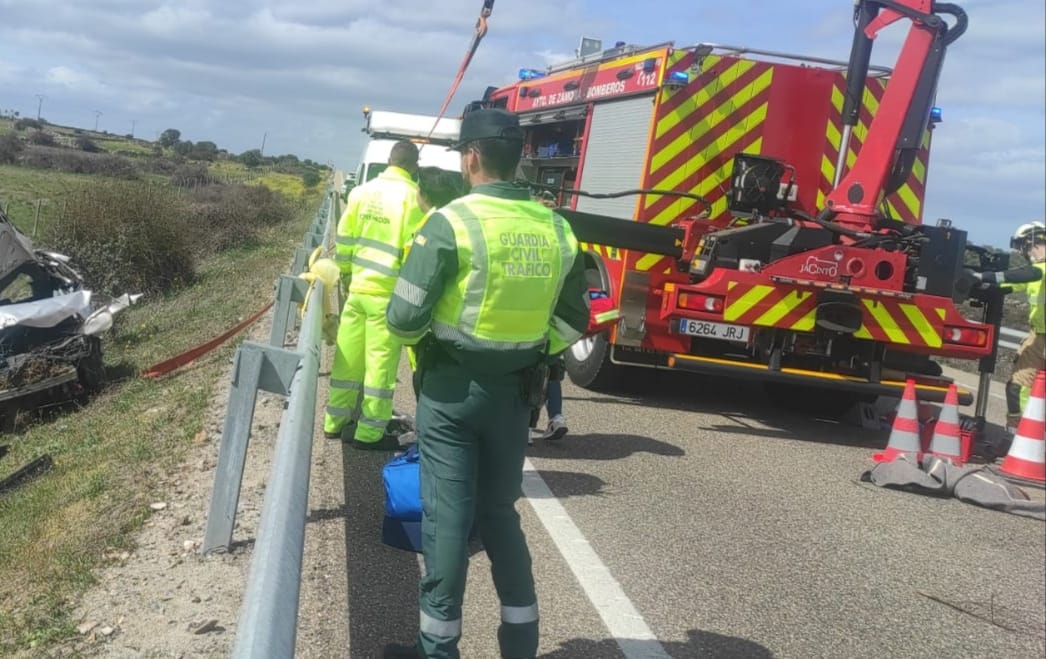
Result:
[
  {"x": 495, "y": 285},
  {"x": 1030, "y": 241},
  {"x": 381, "y": 216}
]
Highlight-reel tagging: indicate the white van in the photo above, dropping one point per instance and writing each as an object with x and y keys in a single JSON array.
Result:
[{"x": 386, "y": 128}]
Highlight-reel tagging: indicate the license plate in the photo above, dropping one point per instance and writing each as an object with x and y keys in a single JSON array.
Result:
[{"x": 721, "y": 331}]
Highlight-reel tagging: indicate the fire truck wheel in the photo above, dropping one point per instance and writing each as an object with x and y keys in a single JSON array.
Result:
[{"x": 588, "y": 363}]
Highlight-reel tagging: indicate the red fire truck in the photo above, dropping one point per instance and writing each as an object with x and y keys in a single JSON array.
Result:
[{"x": 759, "y": 214}]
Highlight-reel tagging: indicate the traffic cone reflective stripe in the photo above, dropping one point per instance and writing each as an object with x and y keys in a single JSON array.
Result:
[
  {"x": 904, "y": 436},
  {"x": 1027, "y": 456},
  {"x": 946, "y": 442}
]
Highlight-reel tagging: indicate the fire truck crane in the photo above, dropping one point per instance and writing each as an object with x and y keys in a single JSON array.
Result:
[{"x": 759, "y": 214}]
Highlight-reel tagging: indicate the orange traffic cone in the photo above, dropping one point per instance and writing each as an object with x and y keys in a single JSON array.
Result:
[
  {"x": 904, "y": 436},
  {"x": 947, "y": 442},
  {"x": 1027, "y": 456}
]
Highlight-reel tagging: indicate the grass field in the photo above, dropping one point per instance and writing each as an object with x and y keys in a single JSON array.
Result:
[
  {"x": 22, "y": 187},
  {"x": 110, "y": 454}
]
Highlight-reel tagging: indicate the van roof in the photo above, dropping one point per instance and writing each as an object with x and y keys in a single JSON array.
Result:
[{"x": 429, "y": 155}]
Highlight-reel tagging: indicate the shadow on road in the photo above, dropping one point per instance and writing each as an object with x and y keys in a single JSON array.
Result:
[
  {"x": 743, "y": 403},
  {"x": 601, "y": 447},
  {"x": 700, "y": 644},
  {"x": 572, "y": 484},
  {"x": 382, "y": 581}
]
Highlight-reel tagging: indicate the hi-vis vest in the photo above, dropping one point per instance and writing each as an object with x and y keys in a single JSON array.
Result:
[
  {"x": 380, "y": 218},
  {"x": 511, "y": 268},
  {"x": 1036, "y": 291}
]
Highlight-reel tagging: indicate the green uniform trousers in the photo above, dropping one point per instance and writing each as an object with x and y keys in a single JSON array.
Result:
[
  {"x": 365, "y": 361},
  {"x": 472, "y": 434}
]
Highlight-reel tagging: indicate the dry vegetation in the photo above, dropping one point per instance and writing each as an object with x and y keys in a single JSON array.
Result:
[{"x": 205, "y": 240}]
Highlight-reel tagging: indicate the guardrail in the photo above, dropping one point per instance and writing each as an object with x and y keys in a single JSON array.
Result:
[
  {"x": 268, "y": 620},
  {"x": 1010, "y": 332}
]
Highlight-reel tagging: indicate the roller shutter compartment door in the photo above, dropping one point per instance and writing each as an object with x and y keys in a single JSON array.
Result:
[{"x": 614, "y": 155}]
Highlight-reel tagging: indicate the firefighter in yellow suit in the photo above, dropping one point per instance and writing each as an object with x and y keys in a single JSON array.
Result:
[{"x": 381, "y": 216}]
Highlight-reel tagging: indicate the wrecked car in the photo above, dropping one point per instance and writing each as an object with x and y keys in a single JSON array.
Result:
[{"x": 50, "y": 326}]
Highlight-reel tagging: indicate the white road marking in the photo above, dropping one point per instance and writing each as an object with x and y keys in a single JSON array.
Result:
[
  {"x": 973, "y": 388},
  {"x": 621, "y": 618}
]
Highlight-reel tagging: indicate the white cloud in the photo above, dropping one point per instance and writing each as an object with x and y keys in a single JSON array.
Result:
[{"x": 231, "y": 71}]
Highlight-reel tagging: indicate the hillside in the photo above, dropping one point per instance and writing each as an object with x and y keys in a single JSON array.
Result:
[
  {"x": 203, "y": 235},
  {"x": 70, "y": 155}
]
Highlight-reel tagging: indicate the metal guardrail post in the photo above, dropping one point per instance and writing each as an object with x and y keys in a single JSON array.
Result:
[
  {"x": 255, "y": 367},
  {"x": 288, "y": 291},
  {"x": 269, "y": 620}
]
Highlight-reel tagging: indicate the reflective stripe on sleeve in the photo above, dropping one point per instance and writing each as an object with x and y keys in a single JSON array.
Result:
[{"x": 408, "y": 292}]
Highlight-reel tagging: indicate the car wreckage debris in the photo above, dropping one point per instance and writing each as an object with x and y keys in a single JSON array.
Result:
[
  {"x": 50, "y": 325},
  {"x": 34, "y": 469}
]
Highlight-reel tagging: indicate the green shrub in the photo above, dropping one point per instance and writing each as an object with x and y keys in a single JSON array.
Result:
[
  {"x": 191, "y": 176},
  {"x": 10, "y": 147},
  {"x": 42, "y": 137},
  {"x": 127, "y": 237},
  {"x": 24, "y": 123},
  {"x": 79, "y": 162},
  {"x": 85, "y": 143},
  {"x": 228, "y": 216}
]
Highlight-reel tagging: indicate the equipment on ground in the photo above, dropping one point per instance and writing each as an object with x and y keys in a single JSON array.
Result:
[{"x": 759, "y": 214}]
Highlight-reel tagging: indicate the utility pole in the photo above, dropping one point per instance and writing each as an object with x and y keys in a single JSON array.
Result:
[
  {"x": 97, "y": 114},
  {"x": 133, "y": 123},
  {"x": 39, "y": 105},
  {"x": 264, "y": 136}
]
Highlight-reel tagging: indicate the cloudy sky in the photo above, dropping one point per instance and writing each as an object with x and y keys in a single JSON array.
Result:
[{"x": 298, "y": 73}]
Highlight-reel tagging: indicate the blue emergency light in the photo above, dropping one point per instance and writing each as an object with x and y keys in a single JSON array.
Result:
[
  {"x": 936, "y": 116},
  {"x": 530, "y": 74},
  {"x": 678, "y": 78}
]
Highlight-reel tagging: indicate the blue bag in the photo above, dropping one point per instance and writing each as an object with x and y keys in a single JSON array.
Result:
[
  {"x": 401, "y": 527},
  {"x": 401, "y": 475}
]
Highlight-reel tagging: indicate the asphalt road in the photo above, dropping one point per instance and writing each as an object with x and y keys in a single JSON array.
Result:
[{"x": 689, "y": 517}]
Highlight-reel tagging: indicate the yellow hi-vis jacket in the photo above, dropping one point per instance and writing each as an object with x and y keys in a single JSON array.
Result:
[{"x": 380, "y": 218}]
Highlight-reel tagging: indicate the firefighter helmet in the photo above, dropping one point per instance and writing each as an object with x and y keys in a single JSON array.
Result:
[{"x": 1027, "y": 235}]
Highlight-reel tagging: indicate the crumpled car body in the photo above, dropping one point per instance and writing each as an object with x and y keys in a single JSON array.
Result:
[{"x": 50, "y": 324}]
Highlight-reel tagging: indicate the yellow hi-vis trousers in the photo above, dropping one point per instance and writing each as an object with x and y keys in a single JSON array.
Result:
[{"x": 365, "y": 361}]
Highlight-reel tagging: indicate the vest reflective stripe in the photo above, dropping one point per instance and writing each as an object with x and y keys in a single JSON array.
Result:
[
  {"x": 442, "y": 628},
  {"x": 367, "y": 264},
  {"x": 395, "y": 252},
  {"x": 519, "y": 615},
  {"x": 382, "y": 215},
  {"x": 1037, "y": 301},
  {"x": 511, "y": 267}
]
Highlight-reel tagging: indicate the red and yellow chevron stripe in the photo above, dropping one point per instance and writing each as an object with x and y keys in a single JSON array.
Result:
[
  {"x": 906, "y": 203},
  {"x": 770, "y": 306},
  {"x": 699, "y": 129},
  {"x": 894, "y": 321},
  {"x": 608, "y": 253}
]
